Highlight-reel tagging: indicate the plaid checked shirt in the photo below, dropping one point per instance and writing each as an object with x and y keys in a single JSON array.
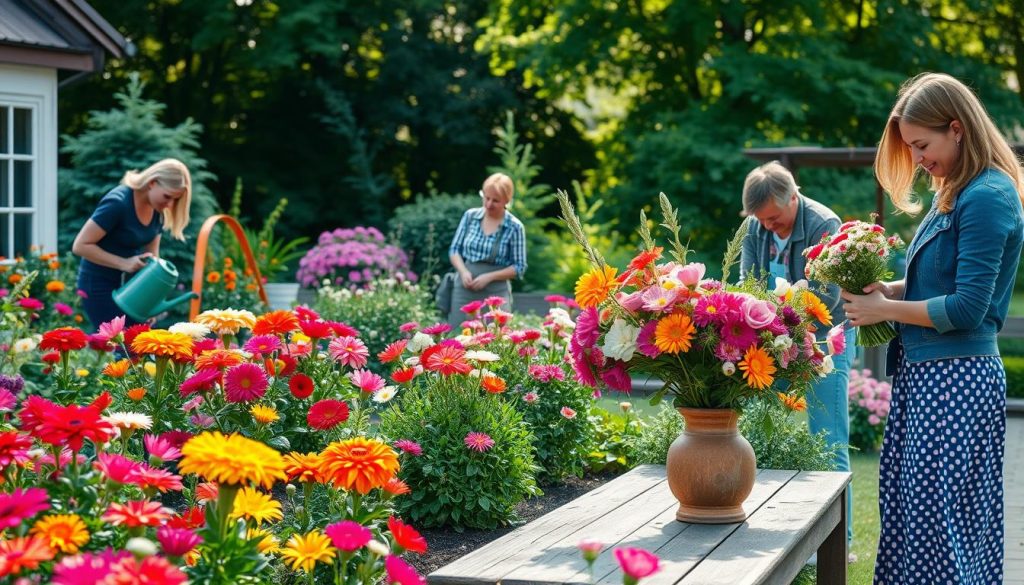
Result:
[{"x": 471, "y": 243}]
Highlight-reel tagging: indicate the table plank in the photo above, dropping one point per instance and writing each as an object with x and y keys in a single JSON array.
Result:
[
  {"x": 482, "y": 565},
  {"x": 768, "y": 547}
]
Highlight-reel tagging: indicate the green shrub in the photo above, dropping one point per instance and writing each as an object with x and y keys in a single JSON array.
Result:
[
  {"x": 657, "y": 435},
  {"x": 782, "y": 442},
  {"x": 453, "y": 484},
  {"x": 615, "y": 436},
  {"x": 426, "y": 228},
  {"x": 377, "y": 310},
  {"x": 1014, "y": 376}
]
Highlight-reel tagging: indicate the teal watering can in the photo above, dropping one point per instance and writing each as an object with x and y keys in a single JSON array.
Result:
[{"x": 145, "y": 294}]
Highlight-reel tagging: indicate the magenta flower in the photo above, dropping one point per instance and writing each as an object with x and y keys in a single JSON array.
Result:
[
  {"x": 636, "y": 563},
  {"x": 478, "y": 441},
  {"x": 200, "y": 381},
  {"x": 112, "y": 329},
  {"x": 161, "y": 448},
  {"x": 437, "y": 329},
  {"x": 568, "y": 412},
  {"x": 349, "y": 351},
  {"x": 401, "y": 572},
  {"x": 409, "y": 327},
  {"x": 177, "y": 542},
  {"x": 617, "y": 378},
  {"x": 367, "y": 381},
  {"x": 494, "y": 301},
  {"x": 556, "y": 299},
  {"x": 472, "y": 307},
  {"x": 645, "y": 340},
  {"x": 117, "y": 468},
  {"x": 87, "y": 567},
  {"x": 245, "y": 382},
  {"x": 411, "y": 447},
  {"x": 262, "y": 345},
  {"x": 530, "y": 397},
  {"x": 63, "y": 309},
  {"x": 31, "y": 304},
  {"x": 587, "y": 331},
  {"x": 7, "y": 400},
  {"x": 836, "y": 340},
  {"x": 21, "y": 504},
  {"x": 348, "y": 536},
  {"x": 590, "y": 549}
]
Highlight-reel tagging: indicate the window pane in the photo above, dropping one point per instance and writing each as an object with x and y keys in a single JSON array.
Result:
[
  {"x": 22, "y": 131},
  {"x": 5, "y": 247},
  {"x": 23, "y": 183},
  {"x": 22, "y": 233},
  {"x": 3, "y": 129},
  {"x": 5, "y": 183}
]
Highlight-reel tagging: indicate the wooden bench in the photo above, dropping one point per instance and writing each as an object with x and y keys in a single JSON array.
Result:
[{"x": 791, "y": 516}]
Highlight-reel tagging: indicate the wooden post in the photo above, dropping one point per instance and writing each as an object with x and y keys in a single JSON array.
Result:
[
  {"x": 203, "y": 242},
  {"x": 832, "y": 553}
]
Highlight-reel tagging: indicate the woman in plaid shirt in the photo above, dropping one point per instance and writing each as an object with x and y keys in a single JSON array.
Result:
[{"x": 488, "y": 250}]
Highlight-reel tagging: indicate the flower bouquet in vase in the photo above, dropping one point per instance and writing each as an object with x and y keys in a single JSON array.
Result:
[
  {"x": 716, "y": 346},
  {"x": 852, "y": 258}
]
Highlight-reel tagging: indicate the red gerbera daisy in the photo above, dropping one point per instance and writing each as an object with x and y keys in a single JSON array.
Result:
[
  {"x": 132, "y": 332},
  {"x": 448, "y": 360},
  {"x": 64, "y": 339},
  {"x": 304, "y": 313},
  {"x": 67, "y": 425},
  {"x": 301, "y": 386},
  {"x": 343, "y": 329},
  {"x": 136, "y": 513},
  {"x": 149, "y": 478},
  {"x": 327, "y": 414},
  {"x": 393, "y": 351},
  {"x": 13, "y": 447},
  {"x": 194, "y": 517},
  {"x": 406, "y": 537},
  {"x": 404, "y": 375},
  {"x": 316, "y": 329}
]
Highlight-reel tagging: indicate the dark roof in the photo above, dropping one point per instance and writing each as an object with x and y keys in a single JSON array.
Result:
[{"x": 63, "y": 34}]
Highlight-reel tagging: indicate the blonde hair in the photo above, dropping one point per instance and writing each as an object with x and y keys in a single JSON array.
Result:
[
  {"x": 503, "y": 184},
  {"x": 768, "y": 181},
  {"x": 934, "y": 101},
  {"x": 173, "y": 175}
]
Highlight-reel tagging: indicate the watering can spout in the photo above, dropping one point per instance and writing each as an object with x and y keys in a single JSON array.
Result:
[{"x": 167, "y": 304}]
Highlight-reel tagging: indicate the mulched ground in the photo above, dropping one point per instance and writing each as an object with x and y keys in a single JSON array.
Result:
[{"x": 446, "y": 545}]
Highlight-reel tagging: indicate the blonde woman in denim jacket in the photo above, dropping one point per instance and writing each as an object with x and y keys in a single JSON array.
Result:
[{"x": 941, "y": 473}]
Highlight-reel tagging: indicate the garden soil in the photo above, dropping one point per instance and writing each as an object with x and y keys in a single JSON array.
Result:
[{"x": 445, "y": 545}]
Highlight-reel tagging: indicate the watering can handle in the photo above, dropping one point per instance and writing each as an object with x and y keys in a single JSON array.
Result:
[{"x": 203, "y": 242}]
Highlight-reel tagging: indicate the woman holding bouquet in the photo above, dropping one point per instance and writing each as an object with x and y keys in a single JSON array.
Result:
[
  {"x": 782, "y": 223},
  {"x": 488, "y": 250},
  {"x": 940, "y": 485}
]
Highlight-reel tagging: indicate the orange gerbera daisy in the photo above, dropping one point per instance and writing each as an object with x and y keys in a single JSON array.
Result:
[
  {"x": 815, "y": 308},
  {"x": 359, "y": 463},
  {"x": 136, "y": 394},
  {"x": 493, "y": 384},
  {"x": 163, "y": 343},
  {"x": 793, "y": 402},
  {"x": 674, "y": 333},
  {"x": 758, "y": 368},
  {"x": 64, "y": 532},
  {"x": 302, "y": 466},
  {"x": 219, "y": 359},
  {"x": 594, "y": 286},
  {"x": 117, "y": 369},
  {"x": 275, "y": 323},
  {"x": 23, "y": 553},
  {"x": 55, "y": 286}
]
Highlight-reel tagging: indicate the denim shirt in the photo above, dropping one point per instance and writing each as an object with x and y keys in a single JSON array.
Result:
[{"x": 963, "y": 264}]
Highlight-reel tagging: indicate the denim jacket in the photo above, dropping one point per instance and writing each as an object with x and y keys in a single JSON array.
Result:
[{"x": 963, "y": 263}]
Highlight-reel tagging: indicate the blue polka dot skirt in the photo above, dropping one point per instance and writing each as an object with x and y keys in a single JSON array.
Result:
[{"x": 941, "y": 474}]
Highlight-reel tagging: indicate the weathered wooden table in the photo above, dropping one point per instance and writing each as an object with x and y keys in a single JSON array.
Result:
[{"x": 791, "y": 516}]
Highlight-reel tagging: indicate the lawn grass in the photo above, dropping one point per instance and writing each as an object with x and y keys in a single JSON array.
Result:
[{"x": 865, "y": 516}]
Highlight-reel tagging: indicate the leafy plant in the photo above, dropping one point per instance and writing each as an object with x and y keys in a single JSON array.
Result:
[
  {"x": 457, "y": 485},
  {"x": 780, "y": 441},
  {"x": 657, "y": 434},
  {"x": 615, "y": 437}
]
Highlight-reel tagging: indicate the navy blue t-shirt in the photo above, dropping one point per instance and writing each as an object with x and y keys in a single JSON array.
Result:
[{"x": 126, "y": 235}]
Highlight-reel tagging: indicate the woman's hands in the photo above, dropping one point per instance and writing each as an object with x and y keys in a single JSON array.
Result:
[
  {"x": 467, "y": 279},
  {"x": 873, "y": 305},
  {"x": 133, "y": 264},
  {"x": 479, "y": 282}
]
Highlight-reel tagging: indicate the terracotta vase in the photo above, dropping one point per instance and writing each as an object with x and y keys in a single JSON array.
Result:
[{"x": 711, "y": 467}]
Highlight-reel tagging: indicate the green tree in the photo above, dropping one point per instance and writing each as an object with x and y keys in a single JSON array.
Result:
[{"x": 130, "y": 136}]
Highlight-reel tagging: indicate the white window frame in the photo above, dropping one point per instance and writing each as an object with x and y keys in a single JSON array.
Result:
[{"x": 35, "y": 89}]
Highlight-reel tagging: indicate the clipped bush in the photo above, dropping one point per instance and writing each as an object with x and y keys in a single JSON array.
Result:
[
  {"x": 352, "y": 257},
  {"x": 869, "y": 409},
  {"x": 657, "y": 435},
  {"x": 1014, "y": 376},
  {"x": 782, "y": 442},
  {"x": 476, "y": 462},
  {"x": 427, "y": 226}
]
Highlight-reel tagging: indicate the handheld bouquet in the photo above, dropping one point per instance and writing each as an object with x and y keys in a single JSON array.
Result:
[
  {"x": 715, "y": 345},
  {"x": 854, "y": 257}
]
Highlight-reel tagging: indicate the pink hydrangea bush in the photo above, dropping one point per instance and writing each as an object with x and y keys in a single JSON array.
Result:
[
  {"x": 869, "y": 409},
  {"x": 352, "y": 257}
]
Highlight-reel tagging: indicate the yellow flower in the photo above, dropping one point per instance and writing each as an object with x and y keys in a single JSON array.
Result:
[
  {"x": 55, "y": 286},
  {"x": 793, "y": 402},
  {"x": 264, "y": 414},
  {"x": 163, "y": 343},
  {"x": 358, "y": 463},
  {"x": 594, "y": 286},
  {"x": 117, "y": 369},
  {"x": 149, "y": 368},
  {"x": 674, "y": 333},
  {"x": 226, "y": 321},
  {"x": 253, "y": 504},
  {"x": 231, "y": 459},
  {"x": 268, "y": 544},
  {"x": 63, "y": 532},
  {"x": 303, "y": 552},
  {"x": 815, "y": 308},
  {"x": 758, "y": 368},
  {"x": 81, "y": 372}
]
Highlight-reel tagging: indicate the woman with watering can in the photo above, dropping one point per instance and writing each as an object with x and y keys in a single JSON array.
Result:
[{"x": 124, "y": 232}]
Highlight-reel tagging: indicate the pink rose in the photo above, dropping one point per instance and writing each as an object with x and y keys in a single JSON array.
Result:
[
  {"x": 757, "y": 313},
  {"x": 636, "y": 563},
  {"x": 836, "y": 340},
  {"x": 691, "y": 274}
]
